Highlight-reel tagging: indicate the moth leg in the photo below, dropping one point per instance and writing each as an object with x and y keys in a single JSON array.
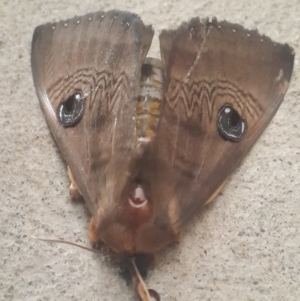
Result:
[
  {"x": 96, "y": 242},
  {"x": 173, "y": 211},
  {"x": 74, "y": 190},
  {"x": 215, "y": 194},
  {"x": 92, "y": 232}
]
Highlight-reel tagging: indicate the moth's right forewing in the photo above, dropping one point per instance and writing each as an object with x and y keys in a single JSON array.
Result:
[
  {"x": 99, "y": 56},
  {"x": 207, "y": 67}
]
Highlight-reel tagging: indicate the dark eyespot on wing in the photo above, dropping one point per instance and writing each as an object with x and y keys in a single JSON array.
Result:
[
  {"x": 71, "y": 110},
  {"x": 231, "y": 125}
]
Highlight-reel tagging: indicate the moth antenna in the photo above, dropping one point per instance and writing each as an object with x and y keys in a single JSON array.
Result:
[
  {"x": 66, "y": 242},
  {"x": 288, "y": 122},
  {"x": 144, "y": 293}
]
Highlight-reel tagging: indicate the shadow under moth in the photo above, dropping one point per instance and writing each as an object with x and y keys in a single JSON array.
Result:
[{"x": 148, "y": 142}]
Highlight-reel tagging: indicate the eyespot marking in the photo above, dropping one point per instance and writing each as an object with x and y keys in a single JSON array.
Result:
[
  {"x": 71, "y": 110},
  {"x": 231, "y": 125}
]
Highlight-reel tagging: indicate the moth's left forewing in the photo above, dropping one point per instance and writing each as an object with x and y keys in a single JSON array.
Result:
[
  {"x": 223, "y": 84},
  {"x": 98, "y": 59}
]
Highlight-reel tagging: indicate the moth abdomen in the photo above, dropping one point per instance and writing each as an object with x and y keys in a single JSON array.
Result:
[{"x": 149, "y": 100}]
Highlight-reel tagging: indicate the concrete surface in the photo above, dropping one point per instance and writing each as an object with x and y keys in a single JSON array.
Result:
[{"x": 244, "y": 246}]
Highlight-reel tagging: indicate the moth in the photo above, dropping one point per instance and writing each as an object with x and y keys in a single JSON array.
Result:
[{"x": 148, "y": 142}]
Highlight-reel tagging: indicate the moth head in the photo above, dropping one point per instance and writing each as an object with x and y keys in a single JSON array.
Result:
[
  {"x": 136, "y": 225},
  {"x": 232, "y": 126},
  {"x": 70, "y": 110}
]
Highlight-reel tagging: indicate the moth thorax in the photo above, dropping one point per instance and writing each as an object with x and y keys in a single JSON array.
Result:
[
  {"x": 138, "y": 208},
  {"x": 149, "y": 101}
]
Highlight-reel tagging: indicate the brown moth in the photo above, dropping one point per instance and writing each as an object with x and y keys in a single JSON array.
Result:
[{"x": 149, "y": 142}]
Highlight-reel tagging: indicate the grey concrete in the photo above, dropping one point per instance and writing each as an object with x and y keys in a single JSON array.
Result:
[{"x": 244, "y": 246}]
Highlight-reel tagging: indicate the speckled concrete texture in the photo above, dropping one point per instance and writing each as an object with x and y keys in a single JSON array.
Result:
[{"x": 244, "y": 246}]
